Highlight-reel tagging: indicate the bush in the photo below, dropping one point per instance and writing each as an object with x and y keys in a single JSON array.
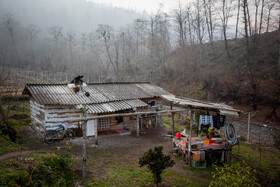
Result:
[
  {"x": 46, "y": 170},
  {"x": 234, "y": 175},
  {"x": 157, "y": 162},
  {"x": 16, "y": 178},
  {"x": 53, "y": 170}
]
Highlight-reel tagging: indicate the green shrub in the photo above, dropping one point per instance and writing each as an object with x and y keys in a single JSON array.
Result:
[
  {"x": 53, "y": 170},
  {"x": 16, "y": 178},
  {"x": 234, "y": 175},
  {"x": 45, "y": 170},
  {"x": 156, "y": 162}
]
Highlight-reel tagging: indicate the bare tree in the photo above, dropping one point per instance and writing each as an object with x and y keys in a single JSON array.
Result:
[
  {"x": 237, "y": 19},
  {"x": 208, "y": 5},
  {"x": 226, "y": 14},
  {"x": 245, "y": 15},
  {"x": 249, "y": 19},
  {"x": 270, "y": 7},
  {"x": 70, "y": 39},
  {"x": 179, "y": 18},
  {"x": 198, "y": 23},
  {"x": 261, "y": 18},
  {"x": 257, "y": 3}
]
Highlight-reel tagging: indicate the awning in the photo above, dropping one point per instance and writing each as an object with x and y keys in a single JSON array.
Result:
[{"x": 200, "y": 105}]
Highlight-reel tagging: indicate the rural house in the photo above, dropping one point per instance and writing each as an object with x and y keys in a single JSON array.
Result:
[{"x": 52, "y": 104}]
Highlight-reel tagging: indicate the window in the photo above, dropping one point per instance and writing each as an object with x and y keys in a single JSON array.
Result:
[{"x": 103, "y": 124}]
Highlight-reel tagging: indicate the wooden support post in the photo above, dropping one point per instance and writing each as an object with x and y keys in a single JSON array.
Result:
[
  {"x": 248, "y": 133},
  {"x": 190, "y": 138},
  {"x": 173, "y": 125},
  {"x": 137, "y": 126},
  {"x": 84, "y": 127},
  {"x": 84, "y": 153},
  {"x": 96, "y": 132}
]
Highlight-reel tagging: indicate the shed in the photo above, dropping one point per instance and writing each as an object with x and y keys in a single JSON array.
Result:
[{"x": 52, "y": 104}]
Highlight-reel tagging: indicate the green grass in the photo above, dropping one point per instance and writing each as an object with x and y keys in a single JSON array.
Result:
[
  {"x": 126, "y": 175},
  {"x": 129, "y": 175},
  {"x": 7, "y": 146},
  {"x": 258, "y": 156},
  {"x": 266, "y": 160},
  {"x": 177, "y": 127},
  {"x": 15, "y": 109}
]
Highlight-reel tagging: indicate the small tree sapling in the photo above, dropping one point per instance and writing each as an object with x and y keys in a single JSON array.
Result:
[{"x": 156, "y": 162}]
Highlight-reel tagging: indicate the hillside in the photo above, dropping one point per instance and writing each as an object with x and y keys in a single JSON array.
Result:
[{"x": 248, "y": 80}]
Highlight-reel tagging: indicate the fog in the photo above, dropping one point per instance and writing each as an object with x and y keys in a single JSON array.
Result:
[{"x": 73, "y": 15}]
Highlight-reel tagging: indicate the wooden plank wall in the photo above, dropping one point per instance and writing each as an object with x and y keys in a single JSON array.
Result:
[
  {"x": 55, "y": 115},
  {"x": 37, "y": 114}
]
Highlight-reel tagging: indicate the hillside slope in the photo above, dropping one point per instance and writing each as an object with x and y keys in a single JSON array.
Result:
[{"x": 248, "y": 77}]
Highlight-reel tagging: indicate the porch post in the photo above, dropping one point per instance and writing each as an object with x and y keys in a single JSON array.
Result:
[
  {"x": 173, "y": 131},
  {"x": 96, "y": 131},
  {"x": 190, "y": 138},
  {"x": 84, "y": 127},
  {"x": 137, "y": 126},
  {"x": 84, "y": 153}
]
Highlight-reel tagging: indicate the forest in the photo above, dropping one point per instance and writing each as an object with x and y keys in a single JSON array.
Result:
[{"x": 212, "y": 50}]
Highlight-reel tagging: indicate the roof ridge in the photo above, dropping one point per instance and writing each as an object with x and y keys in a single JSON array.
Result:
[{"x": 92, "y": 83}]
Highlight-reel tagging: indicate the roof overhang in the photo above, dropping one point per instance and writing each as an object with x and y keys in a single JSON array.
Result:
[{"x": 200, "y": 105}]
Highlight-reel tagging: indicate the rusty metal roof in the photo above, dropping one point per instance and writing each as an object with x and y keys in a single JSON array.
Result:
[
  {"x": 196, "y": 104},
  {"x": 113, "y": 106},
  {"x": 60, "y": 94}
]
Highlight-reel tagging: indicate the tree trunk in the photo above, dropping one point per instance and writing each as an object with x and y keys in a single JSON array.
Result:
[
  {"x": 246, "y": 27},
  {"x": 237, "y": 19},
  {"x": 261, "y": 18},
  {"x": 226, "y": 43},
  {"x": 268, "y": 17},
  {"x": 257, "y": 2},
  {"x": 249, "y": 19}
]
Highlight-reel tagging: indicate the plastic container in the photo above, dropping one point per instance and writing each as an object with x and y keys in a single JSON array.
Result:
[{"x": 200, "y": 164}]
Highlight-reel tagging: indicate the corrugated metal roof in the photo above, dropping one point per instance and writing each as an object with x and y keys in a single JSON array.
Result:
[
  {"x": 113, "y": 106},
  {"x": 60, "y": 94},
  {"x": 195, "y": 104}
]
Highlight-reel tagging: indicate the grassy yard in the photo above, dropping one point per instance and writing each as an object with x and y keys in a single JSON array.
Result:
[
  {"x": 180, "y": 123},
  {"x": 106, "y": 171},
  {"x": 265, "y": 159},
  {"x": 19, "y": 118}
]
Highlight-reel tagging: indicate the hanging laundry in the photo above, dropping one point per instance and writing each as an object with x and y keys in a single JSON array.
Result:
[
  {"x": 219, "y": 121},
  {"x": 205, "y": 120}
]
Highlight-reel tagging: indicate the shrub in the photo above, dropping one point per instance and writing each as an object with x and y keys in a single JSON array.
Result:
[
  {"x": 156, "y": 162},
  {"x": 234, "y": 175},
  {"x": 54, "y": 170},
  {"x": 46, "y": 170},
  {"x": 16, "y": 178}
]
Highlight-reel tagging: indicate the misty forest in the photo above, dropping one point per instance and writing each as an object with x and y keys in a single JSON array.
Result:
[{"x": 211, "y": 50}]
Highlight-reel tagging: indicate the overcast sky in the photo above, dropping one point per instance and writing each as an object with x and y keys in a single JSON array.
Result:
[{"x": 141, "y": 5}]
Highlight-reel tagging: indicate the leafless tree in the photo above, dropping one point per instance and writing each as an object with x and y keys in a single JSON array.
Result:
[
  {"x": 179, "y": 18},
  {"x": 270, "y": 7},
  {"x": 237, "y": 19},
  {"x": 256, "y": 3},
  {"x": 261, "y": 16},
  {"x": 225, "y": 15},
  {"x": 70, "y": 39},
  {"x": 208, "y": 13}
]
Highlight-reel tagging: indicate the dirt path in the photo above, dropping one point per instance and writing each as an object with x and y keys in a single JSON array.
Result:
[{"x": 17, "y": 153}]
